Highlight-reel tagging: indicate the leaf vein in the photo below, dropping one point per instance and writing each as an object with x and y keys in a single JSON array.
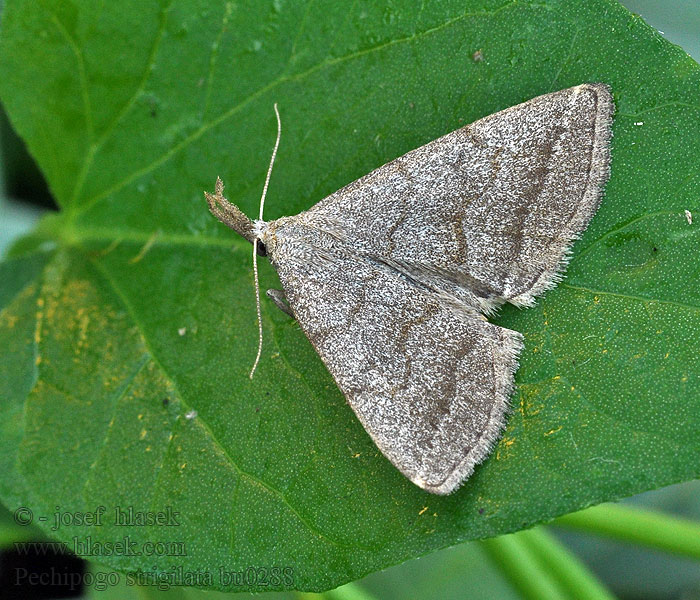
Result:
[
  {"x": 87, "y": 108},
  {"x": 659, "y": 107},
  {"x": 125, "y": 387},
  {"x": 94, "y": 147},
  {"x": 204, "y": 128},
  {"x": 622, "y": 227},
  {"x": 628, "y": 296},
  {"x": 201, "y": 423},
  {"x": 567, "y": 58},
  {"x": 213, "y": 57}
]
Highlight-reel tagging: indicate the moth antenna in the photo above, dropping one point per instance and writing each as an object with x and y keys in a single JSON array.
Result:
[
  {"x": 272, "y": 161},
  {"x": 255, "y": 242},
  {"x": 257, "y": 306}
]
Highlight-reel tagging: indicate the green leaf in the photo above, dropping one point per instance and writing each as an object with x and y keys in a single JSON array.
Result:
[{"x": 128, "y": 321}]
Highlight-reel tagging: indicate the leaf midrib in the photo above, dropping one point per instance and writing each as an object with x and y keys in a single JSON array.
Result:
[
  {"x": 90, "y": 235},
  {"x": 200, "y": 422}
]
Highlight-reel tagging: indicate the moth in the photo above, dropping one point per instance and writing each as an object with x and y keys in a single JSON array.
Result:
[{"x": 391, "y": 276}]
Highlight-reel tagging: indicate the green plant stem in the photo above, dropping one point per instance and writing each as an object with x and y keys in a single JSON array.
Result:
[
  {"x": 566, "y": 568},
  {"x": 522, "y": 568},
  {"x": 349, "y": 591},
  {"x": 621, "y": 522}
]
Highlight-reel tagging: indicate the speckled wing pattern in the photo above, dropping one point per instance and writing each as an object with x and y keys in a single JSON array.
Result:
[{"x": 389, "y": 276}]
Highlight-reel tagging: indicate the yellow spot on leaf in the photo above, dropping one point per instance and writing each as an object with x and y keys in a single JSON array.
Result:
[
  {"x": 423, "y": 510},
  {"x": 37, "y": 329},
  {"x": 551, "y": 431},
  {"x": 82, "y": 330}
]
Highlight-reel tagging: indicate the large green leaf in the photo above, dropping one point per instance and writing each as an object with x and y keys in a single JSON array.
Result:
[{"x": 128, "y": 321}]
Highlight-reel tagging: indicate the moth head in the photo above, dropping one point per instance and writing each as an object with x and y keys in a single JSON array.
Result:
[{"x": 260, "y": 231}]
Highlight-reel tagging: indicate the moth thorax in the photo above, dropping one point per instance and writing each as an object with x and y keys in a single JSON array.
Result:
[{"x": 260, "y": 229}]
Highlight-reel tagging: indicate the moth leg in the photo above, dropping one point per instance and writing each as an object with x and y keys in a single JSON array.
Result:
[{"x": 277, "y": 296}]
